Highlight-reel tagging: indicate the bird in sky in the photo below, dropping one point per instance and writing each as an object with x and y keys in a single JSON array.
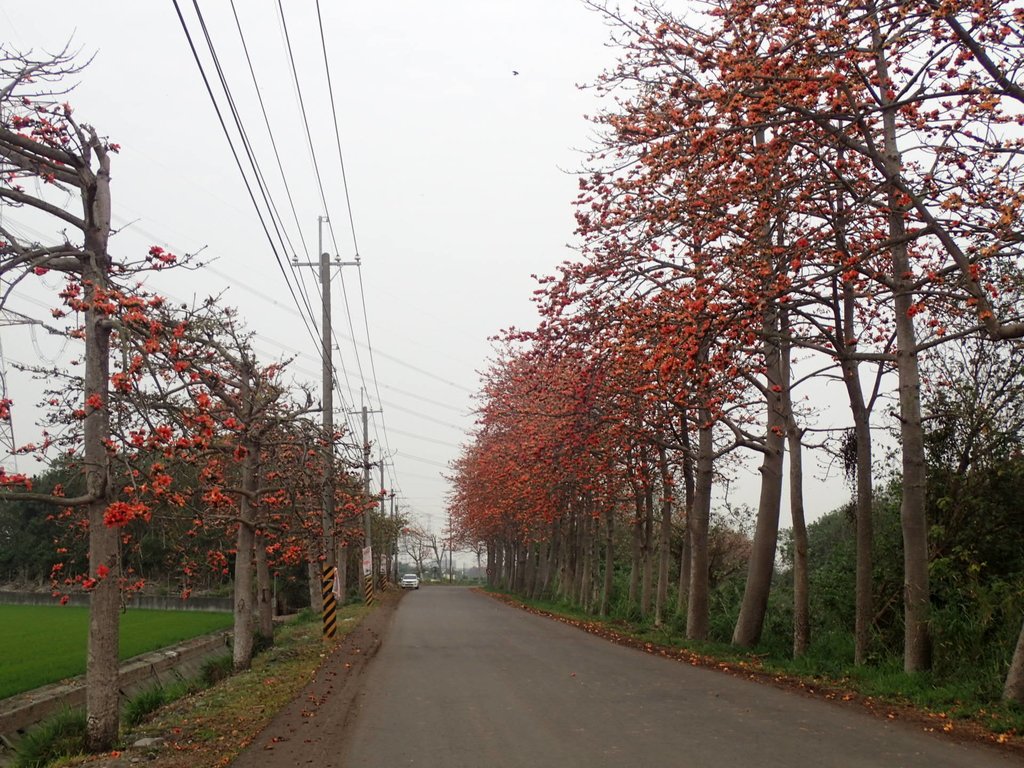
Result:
[{"x": 514, "y": 72}]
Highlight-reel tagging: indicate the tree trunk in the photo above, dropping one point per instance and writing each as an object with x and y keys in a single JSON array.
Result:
[
  {"x": 314, "y": 576},
  {"x": 685, "y": 566},
  {"x": 637, "y": 551},
  {"x": 551, "y": 583},
  {"x": 1013, "y": 690},
  {"x": 570, "y": 555},
  {"x": 794, "y": 435},
  {"x": 580, "y": 543},
  {"x": 264, "y": 592},
  {"x": 242, "y": 644},
  {"x": 762, "y": 556},
  {"x": 916, "y": 596},
  {"x": 697, "y": 606},
  {"x": 647, "y": 580},
  {"x": 522, "y": 555},
  {"x": 344, "y": 553},
  {"x": 916, "y": 638},
  {"x": 510, "y": 567},
  {"x": 609, "y": 560},
  {"x": 560, "y": 552},
  {"x": 586, "y": 571},
  {"x": 502, "y": 574},
  {"x": 863, "y": 611},
  {"x": 664, "y": 538},
  {"x": 543, "y": 570},
  {"x": 496, "y": 556},
  {"x": 685, "y": 563},
  {"x": 801, "y": 590},
  {"x": 530, "y": 575},
  {"x": 846, "y": 333},
  {"x": 102, "y": 664}
]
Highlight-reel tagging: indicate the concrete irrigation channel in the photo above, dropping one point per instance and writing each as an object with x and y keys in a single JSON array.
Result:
[{"x": 168, "y": 665}]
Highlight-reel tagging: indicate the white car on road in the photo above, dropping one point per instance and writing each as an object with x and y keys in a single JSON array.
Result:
[{"x": 410, "y": 581}]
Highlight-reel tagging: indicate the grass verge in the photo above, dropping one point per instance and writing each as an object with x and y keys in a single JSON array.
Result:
[{"x": 216, "y": 717}]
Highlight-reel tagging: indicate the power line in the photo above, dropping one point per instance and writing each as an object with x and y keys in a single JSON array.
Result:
[
  {"x": 425, "y": 417},
  {"x": 424, "y": 438},
  {"x": 270, "y": 132},
  {"x": 320, "y": 186},
  {"x": 352, "y": 228},
  {"x": 422, "y": 460},
  {"x": 238, "y": 163},
  {"x": 337, "y": 132},
  {"x": 275, "y": 216},
  {"x": 435, "y": 403}
]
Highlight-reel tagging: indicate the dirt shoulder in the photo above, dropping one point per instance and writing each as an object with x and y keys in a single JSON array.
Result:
[
  {"x": 281, "y": 714},
  {"x": 309, "y": 729}
]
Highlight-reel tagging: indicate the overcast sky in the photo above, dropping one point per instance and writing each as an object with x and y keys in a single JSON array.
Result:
[{"x": 458, "y": 171}]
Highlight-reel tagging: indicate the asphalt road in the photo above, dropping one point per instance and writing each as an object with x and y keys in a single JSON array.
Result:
[{"x": 463, "y": 681}]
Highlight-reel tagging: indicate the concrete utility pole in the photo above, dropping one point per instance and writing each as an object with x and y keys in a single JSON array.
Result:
[
  {"x": 451, "y": 550},
  {"x": 327, "y": 387},
  {"x": 367, "y": 514},
  {"x": 394, "y": 527},
  {"x": 383, "y": 516}
]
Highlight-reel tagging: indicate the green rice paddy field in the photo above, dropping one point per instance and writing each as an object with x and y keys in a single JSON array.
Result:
[{"x": 46, "y": 644}]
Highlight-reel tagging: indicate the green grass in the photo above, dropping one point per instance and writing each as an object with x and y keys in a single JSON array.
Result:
[
  {"x": 61, "y": 736},
  {"x": 46, "y": 644}
]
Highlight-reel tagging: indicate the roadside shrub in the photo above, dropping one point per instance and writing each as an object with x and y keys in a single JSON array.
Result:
[
  {"x": 306, "y": 616},
  {"x": 974, "y": 628},
  {"x": 216, "y": 669},
  {"x": 777, "y": 633},
  {"x": 61, "y": 736},
  {"x": 143, "y": 704},
  {"x": 261, "y": 643},
  {"x": 724, "y": 608},
  {"x": 830, "y": 653}
]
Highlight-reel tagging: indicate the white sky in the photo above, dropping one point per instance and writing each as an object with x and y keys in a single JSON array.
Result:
[{"x": 457, "y": 170}]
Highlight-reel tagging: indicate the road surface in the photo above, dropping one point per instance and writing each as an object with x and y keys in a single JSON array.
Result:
[{"x": 463, "y": 681}]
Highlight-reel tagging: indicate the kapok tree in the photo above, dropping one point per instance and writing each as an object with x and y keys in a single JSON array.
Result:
[
  {"x": 229, "y": 408},
  {"x": 295, "y": 470},
  {"x": 690, "y": 207},
  {"x": 849, "y": 79},
  {"x": 925, "y": 95},
  {"x": 41, "y": 142}
]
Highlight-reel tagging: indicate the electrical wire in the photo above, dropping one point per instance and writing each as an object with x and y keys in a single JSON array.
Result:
[
  {"x": 270, "y": 132},
  {"x": 320, "y": 186},
  {"x": 275, "y": 216},
  {"x": 304, "y": 310},
  {"x": 238, "y": 163},
  {"x": 308, "y": 317},
  {"x": 352, "y": 229}
]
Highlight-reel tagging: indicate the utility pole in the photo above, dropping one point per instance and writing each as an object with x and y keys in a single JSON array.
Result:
[
  {"x": 368, "y": 512},
  {"x": 327, "y": 393},
  {"x": 383, "y": 516},
  {"x": 394, "y": 527},
  {"x": 451, "y": 550}
]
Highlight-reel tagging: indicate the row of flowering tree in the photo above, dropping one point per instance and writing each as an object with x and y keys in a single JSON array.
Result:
[
  {"x": 782, "y": 194},
  {"x": 168, "y": 417}
]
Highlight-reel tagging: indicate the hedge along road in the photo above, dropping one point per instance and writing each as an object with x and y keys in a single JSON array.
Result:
[{"x": 462, "y": 680}]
